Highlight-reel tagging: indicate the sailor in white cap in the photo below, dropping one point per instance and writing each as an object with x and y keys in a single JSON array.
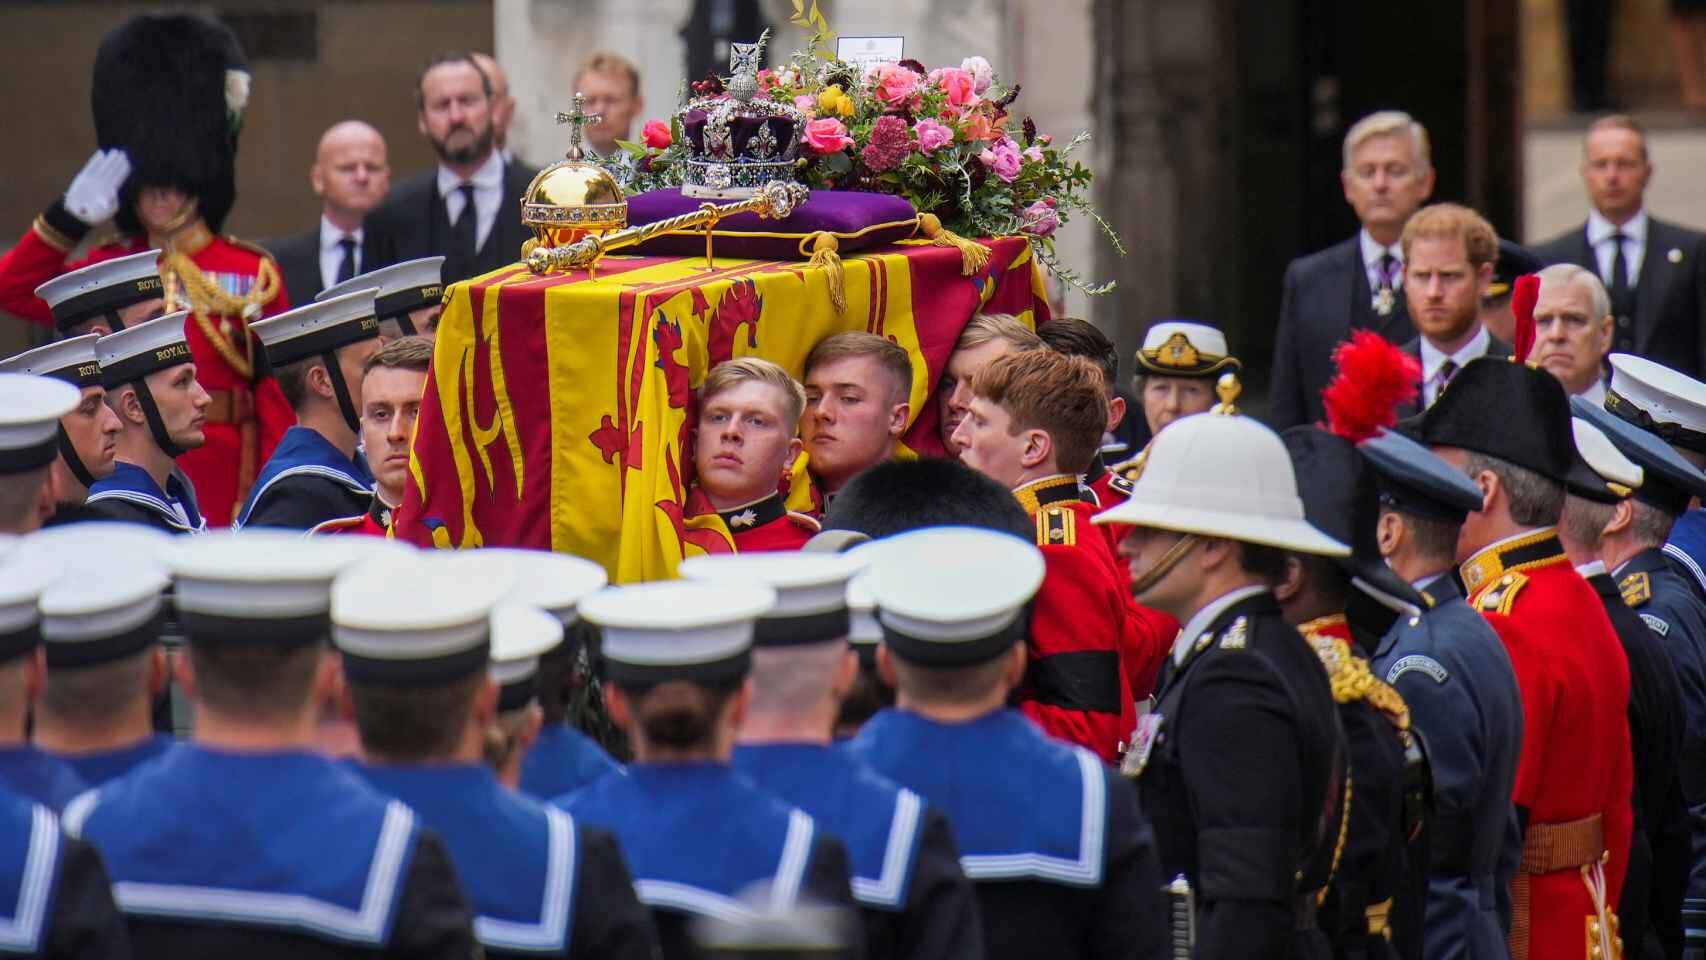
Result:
[
  {"x": 243, "y": 841},
  {"x": 561, "y": 759},
  {"x": 1672, "y": 407},
  {"x": 1241, "y": 763},
  {"x": 25, "y": 770},
  {"x": 411, "y": 295},
  {"x": 317, "y": 354},
  {"x": 88, "y": 434},
  {"x": 869, "y": 693},
  {"x": 1063, "y": 862},
  {"x": 30, "y": 408},
  {"x": 420, "y": 683},
  {"x": 914, "y": 899},
  {"x": 106, "y": 667},
  {"x": 151, "y": 385},
  {"x": 697, "y": 835},
  {"x": 106, "y": 296}
]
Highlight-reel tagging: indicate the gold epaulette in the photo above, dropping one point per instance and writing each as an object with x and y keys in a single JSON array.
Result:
[
  {"x": 253, "y": 248},
  {"x": 1130, "y": 470},
  {"x": 1637, "y": 589},
  {"x": 1499, "y": 595},
  {"x": 1352, "y": 680},
  {"x": 1057, "y": 526},
  {"x": 805, "y": 520},
  {"x": 1121, "y": 483}
]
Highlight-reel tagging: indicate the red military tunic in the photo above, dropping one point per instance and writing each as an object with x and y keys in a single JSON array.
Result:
[
  {"x": 1111, "y": 490},
  {"x": 248, "y": 414},
  {"x": 1575, "y": 775},
  {"x": 376, "y": 522},
  {"x": 1088, "y": 641},
  {"x": 768, "y": 525}
]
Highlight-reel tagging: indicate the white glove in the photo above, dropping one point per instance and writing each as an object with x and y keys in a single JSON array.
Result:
[{"x": 93, "y": 194}]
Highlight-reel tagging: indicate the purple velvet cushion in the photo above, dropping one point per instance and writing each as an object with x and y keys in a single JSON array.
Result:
[{"x": 858, "y": 221}]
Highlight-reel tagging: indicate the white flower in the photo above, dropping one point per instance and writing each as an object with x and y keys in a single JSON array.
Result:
[
  {"x": 236, "y": 91},
  {"x": 981, "y": 72}
]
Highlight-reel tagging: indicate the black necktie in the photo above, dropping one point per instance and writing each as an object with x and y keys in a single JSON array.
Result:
[
  {"x": 1622, "y": 299},
  {"x": 462, "y": 234},
  {"x": 346, "y": 266},
  {"x": 1447, "y": 370}
]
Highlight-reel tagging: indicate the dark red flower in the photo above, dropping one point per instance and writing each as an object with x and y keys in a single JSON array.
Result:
[{"x": 890, "y": 142}]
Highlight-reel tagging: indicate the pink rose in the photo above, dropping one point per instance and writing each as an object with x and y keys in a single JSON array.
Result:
[
  {"x": 1034, "y": 153},
  {"x": 806, "y": 104},
  {"x": 656, "y": 135},
  {"x": 982, "y": 73},
  {"x": 893, "y": 83},
  {"x": 827, "y": 135},
  {"x": 1040, "y": 220},
  {"x": 1002, "y": 159},
  {"x": 933, "y": 135},
  {"x": 957, "y": 84}
]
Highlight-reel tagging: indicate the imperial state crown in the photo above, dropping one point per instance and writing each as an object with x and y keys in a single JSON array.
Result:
[{"x": 737, "y": 141}]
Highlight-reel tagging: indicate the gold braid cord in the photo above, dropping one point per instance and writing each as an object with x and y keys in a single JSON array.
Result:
[
  {"x": 1351, "y": 678},
  {"x": 1338, "y": 845},
  {"x": 208, "y": 299}
]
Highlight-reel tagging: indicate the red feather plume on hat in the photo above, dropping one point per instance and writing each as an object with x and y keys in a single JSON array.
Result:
[
  {"x": 1524, "y": 294},
  {"x": 1374, "y": 377}
]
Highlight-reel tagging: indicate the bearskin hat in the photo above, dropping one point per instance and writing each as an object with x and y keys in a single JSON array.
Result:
[{"x": 169, "y": 90}]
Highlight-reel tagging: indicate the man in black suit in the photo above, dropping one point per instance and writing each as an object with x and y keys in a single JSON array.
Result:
[
  {"x": 1654, "y": 271},
  {"x": 1356, "y": 284},
  {"x": 467, "y": 208},
  {"x": 1449, "y": 251},
  {"x": 351, "y": 176}
]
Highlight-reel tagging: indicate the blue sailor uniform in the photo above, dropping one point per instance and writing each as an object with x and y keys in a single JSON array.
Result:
[
  {"x": 130, "y": 495},
  {"x": 95, "y": 769},
  {"x": 55, "y": 901},
  {"x": 699, "y": 836},
  {"x": 41, "y": 777},
  {"x": 915, "y": 899},
  {"x": 1663, "y": 599},
  {"x": 306, "y": 482},
  {"x": 1686, "y": 549},
  {"x": 270, "y": 855},
  {"x": 1063, "y": 862},
  {"x": 1457, "y": 680},
  {"x": 539, "y": 883},
  {"x": 562, "y": 761}
]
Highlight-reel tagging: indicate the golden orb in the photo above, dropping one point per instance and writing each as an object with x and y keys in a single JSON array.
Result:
[{"x": 570, "y": 199}]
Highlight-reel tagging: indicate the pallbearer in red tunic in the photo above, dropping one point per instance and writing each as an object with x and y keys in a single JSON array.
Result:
[
  {"x": 168, "y": 94},
  {"x": 1507, "y": 426},
  {"x": 1033, "y": 420},
  {"x": 747, "y": 439},
  {"x": 392, "y": 382}
]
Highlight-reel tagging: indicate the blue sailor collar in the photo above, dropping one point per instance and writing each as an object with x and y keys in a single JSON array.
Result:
[
  {"x": 303, "y": 451},
  {"x": 515, "y": 856},
  {"x": 98, "y": 768},
  {"x": 216, "y": 837},
  {"x": 1687, "y": 545},
  {"x": 132, "y": 484},
  {"x": 880, "y": 822},
  {"x": 29, "y": 862},
  {"x": 1007, "y": 827},
  {"x": 699, "y": 835}
]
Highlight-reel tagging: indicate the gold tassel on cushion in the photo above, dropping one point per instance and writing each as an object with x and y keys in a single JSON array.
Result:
[
  {"x": 825, "y": 254},
  {"x": 973, "y": 255}
]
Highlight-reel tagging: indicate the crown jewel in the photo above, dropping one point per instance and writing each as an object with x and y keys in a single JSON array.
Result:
[{"x": 738, "y": 141}]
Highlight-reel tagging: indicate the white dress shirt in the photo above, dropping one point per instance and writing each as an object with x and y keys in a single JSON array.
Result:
[
  {"x": 1634, "y": 244},
  {"x": 332, "y": 255},
  {"x": 1596, "y": 393},
  {"x": 1200, "y": 620},
  {"x": 1372, "y": 251},
  {"x": 488, "y": 184},
  {"x": 1592, "y": 568},
  {"x": 1433, "y": 359}
]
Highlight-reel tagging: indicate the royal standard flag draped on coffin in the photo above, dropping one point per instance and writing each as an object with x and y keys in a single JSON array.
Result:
[{"x": 560, "y": 409}]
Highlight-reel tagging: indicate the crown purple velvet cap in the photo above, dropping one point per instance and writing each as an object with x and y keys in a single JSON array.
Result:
[{"x": 857, "y": 220}]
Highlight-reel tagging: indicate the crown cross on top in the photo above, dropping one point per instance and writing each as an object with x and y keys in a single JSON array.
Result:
[{"x": 578, "y": 119}]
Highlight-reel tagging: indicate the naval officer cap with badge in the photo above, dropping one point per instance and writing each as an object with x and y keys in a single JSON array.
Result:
[
  {"x": 428, "y": 682},
  {"x": 697, "y": 835},
  {"x": 151, "y": 384},
  {"x": 1596, "y": 524},
  {"x": 317, "y": 353},
  {"x": 88, "y": 433},
  {"x": 1062, "y": 860},
  {"x": 1457, "y": 682},
  {"x": 915, "y": 900},
  {"x": 1247, "y": 810},
  {"x": 1672, "y": 407},
  {"x": 245, "y": 841},
  {"x": 59, "y": 902},
  {"x": 552, "y": 756},
  {"x": 30, "y": 412}
]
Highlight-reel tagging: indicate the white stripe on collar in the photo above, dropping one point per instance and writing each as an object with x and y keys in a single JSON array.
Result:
[
  {"x": 551, "y": 932},
  {"x": 1086, "y": 871},
  {"x": 885, "y": 891},
  {"x": 21, "y": 932}
]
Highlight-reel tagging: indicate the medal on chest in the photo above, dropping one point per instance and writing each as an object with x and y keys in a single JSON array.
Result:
[
  {"x": 1384, "y": 301},
  {"x": 1143, "y": 741}
]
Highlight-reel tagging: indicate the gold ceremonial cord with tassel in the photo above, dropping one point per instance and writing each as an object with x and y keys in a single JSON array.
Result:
[
  {"x": 825, "y": 254},
  {"x": 973, "y": 255},
  {"x": 206, "y": 298}
]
